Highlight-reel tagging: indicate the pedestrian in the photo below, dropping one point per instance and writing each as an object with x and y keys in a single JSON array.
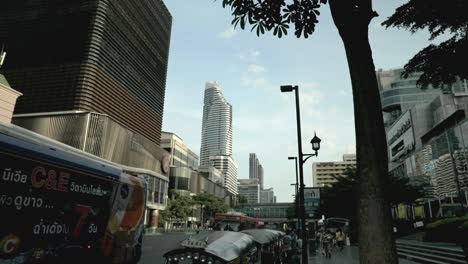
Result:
[
  {"x": 299, "y": 245},
  {"x": 320, "y": 248},
  {"x": 327, "y": 243},
  {"x": 340, "y": 238}
]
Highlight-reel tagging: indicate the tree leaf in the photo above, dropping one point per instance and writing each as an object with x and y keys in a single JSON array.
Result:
[
  {"x": 253, "y": 27},
  {"x": 275, "y": 32},
  {"x": 242, "y": 22}
]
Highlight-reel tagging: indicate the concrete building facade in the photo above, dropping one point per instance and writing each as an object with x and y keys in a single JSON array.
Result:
[
  {"x": 8, "y": 97},
  {"x": 267, "y": 196},
  {"x": 324, "y": 173},
  {"x": 427, "y": 132},
  {"x": 181, "y": 155},
  {"x": 228, "y": 168},
  {"x": 250, "y": 190}
]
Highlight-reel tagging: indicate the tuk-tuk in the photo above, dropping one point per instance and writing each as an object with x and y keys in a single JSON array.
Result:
[
  {"x": 218, "y": 247},
  {"x": 269, "y": 245}
]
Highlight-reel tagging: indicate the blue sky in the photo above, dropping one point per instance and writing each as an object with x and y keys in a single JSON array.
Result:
[{"x": 204, "y": 47}]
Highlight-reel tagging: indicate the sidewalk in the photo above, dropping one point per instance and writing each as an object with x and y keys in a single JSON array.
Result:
[{"x": 349, "y": 255}]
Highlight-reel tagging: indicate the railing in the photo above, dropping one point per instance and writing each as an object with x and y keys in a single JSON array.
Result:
[{"x": 153, "y": 230}]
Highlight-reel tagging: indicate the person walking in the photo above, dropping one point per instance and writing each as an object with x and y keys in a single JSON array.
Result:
[
  {"x": 340, "y": 238},
  {"x": 327, "y": 243},
  {"x": 319, "y": 237}
]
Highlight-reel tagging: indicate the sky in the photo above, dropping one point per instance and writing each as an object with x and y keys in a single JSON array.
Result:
[{"x": 205, "y": 47}]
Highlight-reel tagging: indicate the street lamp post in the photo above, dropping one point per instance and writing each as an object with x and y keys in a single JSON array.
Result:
[
  {"x": 297, "y": 193},
  {"x": 315, "y": 146},
  {"x": 296, "y": 205}
]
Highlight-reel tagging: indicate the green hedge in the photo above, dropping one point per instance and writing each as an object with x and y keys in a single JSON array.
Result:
[
  {"x": 446, "y": 221},
  {"x": 451, "y": 230}
]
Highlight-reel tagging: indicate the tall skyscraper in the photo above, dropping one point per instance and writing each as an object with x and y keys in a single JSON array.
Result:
[
  {"x": 216, "y": 143},
  {"x": 255, "y": 169},
  {"x": 260, "y": 175},
  {"x": 102, "y": 56},
  {"x": 253, "y": 166}
]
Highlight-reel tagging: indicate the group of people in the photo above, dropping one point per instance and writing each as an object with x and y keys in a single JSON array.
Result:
[
  {"x": 327, "y": 240},
  {"x": 286, "y": 250}
]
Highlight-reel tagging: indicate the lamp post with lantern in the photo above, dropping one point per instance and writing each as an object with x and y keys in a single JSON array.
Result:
[{"x": 315, "y": 146}]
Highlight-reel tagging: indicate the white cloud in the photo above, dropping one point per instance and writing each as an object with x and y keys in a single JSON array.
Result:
[
  {"x": 227, "y": 34},
  {"x": 257, "y": 83},
  {"x": 309, "y": 94},
  {"x": 255, "y": 68},
  {"x": 254, "y": 53},
  {"x": 250, "y": 55},
  {"x": 310, "y": 98}
]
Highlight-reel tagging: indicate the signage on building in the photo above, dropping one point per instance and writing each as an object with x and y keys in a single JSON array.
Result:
[
  {"x": 400, "y": 138},
  {"x": 311, "y": 200}
]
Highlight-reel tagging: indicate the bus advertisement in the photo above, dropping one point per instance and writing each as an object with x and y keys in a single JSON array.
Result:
[{"x": 61, "y": 207}]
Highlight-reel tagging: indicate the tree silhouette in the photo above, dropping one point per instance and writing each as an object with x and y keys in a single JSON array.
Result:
[
  {"x": 351, "y": 18},
  {"x": 440, "y": 63},
  {"x": 340, "y": 199},
  {"x": 212, "y": 203}
]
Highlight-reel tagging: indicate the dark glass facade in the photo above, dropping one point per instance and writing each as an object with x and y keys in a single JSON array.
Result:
[{"x": 93, "y": 55}]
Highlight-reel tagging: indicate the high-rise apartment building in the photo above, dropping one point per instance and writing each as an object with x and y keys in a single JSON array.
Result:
[
  {"x": 250, "y": 190},
  {"x": 216, "y": 142},
  {"x": 228, "y": 168},
  {"x": 255, "y": 169},
  {"x": 325, "y": 173},
  {"x": 108, "y": 57},
  {"x": 216, "y": 124}
]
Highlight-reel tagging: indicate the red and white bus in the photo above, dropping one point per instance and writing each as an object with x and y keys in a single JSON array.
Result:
[{"x": 234, "y": 222}]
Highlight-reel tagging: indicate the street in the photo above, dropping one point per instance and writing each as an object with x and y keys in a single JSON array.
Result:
[{"x": 154, "y": 246}]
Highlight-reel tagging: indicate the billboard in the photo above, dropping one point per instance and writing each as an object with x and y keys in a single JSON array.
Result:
[{"x": 311, "y": 200}]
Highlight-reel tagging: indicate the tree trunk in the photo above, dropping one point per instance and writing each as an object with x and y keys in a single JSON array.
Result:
[{"x": 375, "y": 237}]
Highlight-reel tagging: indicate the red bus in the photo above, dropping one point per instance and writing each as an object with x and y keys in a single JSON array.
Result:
[{"x": 234, "y": 222}]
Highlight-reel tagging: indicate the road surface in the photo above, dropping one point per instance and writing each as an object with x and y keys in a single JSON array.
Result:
[{"x": 154, "y": 246}]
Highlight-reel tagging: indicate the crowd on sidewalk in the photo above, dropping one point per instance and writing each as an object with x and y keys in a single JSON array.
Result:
[{"x": 326, "y": 241}]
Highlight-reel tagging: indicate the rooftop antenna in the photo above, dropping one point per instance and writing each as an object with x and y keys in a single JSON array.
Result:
[{"x": 2, "y": 55}]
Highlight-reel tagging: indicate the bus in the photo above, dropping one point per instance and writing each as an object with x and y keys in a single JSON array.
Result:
[
  {"x": 234, "y": 222},
  {"x": 61, "y": 205}
]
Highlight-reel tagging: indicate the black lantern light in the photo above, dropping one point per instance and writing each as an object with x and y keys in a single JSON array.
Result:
[{"x": 315, "y": 143}]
